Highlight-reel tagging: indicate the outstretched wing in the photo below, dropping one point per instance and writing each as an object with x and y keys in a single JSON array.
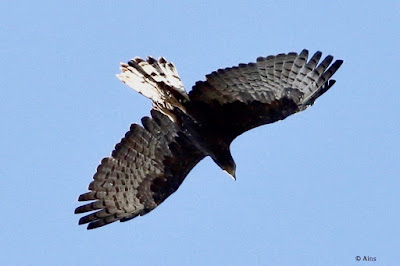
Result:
[
  {"x": 147, "y": 166},
  {"x": 249, "y": 95}
]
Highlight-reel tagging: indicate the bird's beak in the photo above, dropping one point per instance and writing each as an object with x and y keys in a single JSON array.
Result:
[{"x": 232, "y": 175}]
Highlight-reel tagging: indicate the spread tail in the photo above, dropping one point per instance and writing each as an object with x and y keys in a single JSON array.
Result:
[{"x": 157, "y": 80}]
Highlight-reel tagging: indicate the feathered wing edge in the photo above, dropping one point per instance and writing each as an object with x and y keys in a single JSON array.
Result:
[
  {"x": 293, "y": 72},
  {"x": 147, "y": 166},
  {"x": 269, "y": 79}
]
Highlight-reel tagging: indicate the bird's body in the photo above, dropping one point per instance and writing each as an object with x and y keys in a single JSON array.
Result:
[{"x": 151, "y": 162}]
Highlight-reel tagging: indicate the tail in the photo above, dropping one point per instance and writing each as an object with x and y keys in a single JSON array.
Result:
[{"x": 157, "y": 80}]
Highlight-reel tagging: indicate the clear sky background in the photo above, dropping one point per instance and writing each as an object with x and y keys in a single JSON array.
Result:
[{"x": 318, "y": 188}]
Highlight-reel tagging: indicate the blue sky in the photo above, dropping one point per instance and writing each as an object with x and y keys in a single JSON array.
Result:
[{"x": 318, "y": 188}]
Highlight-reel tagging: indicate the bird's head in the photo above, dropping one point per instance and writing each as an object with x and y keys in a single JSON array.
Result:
[
  {"x": 231, "y": 170},
  {"x": 226, "y": 162}
]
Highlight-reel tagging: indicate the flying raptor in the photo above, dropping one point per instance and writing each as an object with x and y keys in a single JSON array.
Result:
[{"x": 152, "y": 160}]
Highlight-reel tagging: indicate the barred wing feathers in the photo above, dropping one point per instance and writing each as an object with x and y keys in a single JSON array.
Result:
[
  {"x": 249, "y": 95},
  {"x": 147, "y": 166}
]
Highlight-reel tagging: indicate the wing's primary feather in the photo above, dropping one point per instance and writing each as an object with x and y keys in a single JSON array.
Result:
[{"x": 146, "y": 167}]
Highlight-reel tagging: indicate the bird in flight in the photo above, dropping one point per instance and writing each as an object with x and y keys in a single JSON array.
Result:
[{"x": 153, "y": 159}]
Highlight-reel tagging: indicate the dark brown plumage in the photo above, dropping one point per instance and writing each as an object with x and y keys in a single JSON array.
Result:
[{"x": 151, "y": 161}]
